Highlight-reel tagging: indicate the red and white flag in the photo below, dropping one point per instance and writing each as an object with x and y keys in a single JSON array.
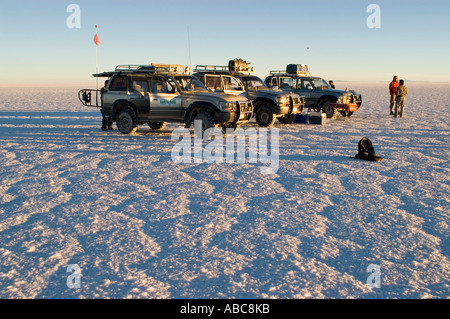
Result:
[{"x": 96, "y": 39}]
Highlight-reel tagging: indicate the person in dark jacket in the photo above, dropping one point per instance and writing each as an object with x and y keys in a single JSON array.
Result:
[
  {"x": 106, "y": 120},
  {"x": 400, "y": 99}
]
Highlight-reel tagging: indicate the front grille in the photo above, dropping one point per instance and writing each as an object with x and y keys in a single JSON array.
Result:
[
  {"x": 298, "y": 100},
  {"x": 245, "y": 106}
]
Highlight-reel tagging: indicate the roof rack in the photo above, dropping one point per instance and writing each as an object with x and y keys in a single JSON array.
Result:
[
  {"x": 171, "y": 68},
  {"x": 211, "y": 68},
  {"x": 134, "y": 67},
  {"x": 221, "y": 69},
  {"x": 293, "y": 69},
  {"x": 153, "y": 68},
  {"x": 278, "y": 72}
]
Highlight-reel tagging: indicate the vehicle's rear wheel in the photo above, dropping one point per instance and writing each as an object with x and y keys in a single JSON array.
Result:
[
  {"x": 126, "y": 121},
  {"x": 157, "y": 125},
  {"x": 331, "y": 112},
  {"x": 207, "y": 121},
  {"x": 287, "y": 119},
  {"x": 265, "y": 117}
]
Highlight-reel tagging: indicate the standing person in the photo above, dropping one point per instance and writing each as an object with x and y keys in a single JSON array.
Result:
[
  {"x": 400, "y": 99},
  {"x": 106, "y": 120},
  {"x": 393, "y": 91}
]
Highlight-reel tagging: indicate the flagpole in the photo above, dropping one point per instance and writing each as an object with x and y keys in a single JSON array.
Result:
[{"x": 96, "y": 57}]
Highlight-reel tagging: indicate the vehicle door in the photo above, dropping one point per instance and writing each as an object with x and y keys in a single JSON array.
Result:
[
  {"x": 165, "y": 99},
  {"x": 272, "y": 82},
  {"x": 286, "y": 84},
  {"x": 233, "y": 86},
  {"x": 213, "y": 82},
  {"x": 117, "y": 90},
  {"x": 305, "y": 87},
  {"x": 138, "y": 92}
]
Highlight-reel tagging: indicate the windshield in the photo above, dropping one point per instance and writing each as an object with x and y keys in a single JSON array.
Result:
[
  {"x": 190, "y": 84},
  {"x": 253, "y": 82}
]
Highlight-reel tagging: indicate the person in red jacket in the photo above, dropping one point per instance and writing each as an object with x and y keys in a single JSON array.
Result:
[{"x": 393, "y": 92}]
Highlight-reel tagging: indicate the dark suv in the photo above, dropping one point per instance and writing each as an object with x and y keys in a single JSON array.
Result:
[
  {"x": 159, "y": 93},
  {"x": 318, "y": 93},
  {"x": 236, "y": 78}
]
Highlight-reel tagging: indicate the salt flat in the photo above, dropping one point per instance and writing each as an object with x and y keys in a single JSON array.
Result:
[{"x": 140, "y": 226}]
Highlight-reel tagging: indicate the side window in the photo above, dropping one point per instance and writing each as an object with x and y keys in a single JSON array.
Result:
[
  {"x": 171, "y": 86},
  {"x": 306, "y": 84},
  {"x": 274, "y": 82},
  {"x": 286, "y": 83},
  {"x": 119, "y": 83},
  {"x": 231, "y": 83},
  {"x": 213, "y": 82},
  {"x": 161, "y": 85},
  {"x": 139, "y": 85}
]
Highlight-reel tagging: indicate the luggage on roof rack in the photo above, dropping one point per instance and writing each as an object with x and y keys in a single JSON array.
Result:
[
  {"x": 297, "y": 69},
  {"x": 239, "y": 65}
]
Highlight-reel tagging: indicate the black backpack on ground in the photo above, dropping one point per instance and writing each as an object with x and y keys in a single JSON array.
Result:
[{"x": 366, "y": 151}]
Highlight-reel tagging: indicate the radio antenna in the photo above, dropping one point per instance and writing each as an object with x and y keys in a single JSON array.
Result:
[{"x": 189, "y": 48}]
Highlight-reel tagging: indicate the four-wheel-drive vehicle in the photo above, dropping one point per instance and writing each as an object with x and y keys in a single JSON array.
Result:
[
  {"x": 319, "y": 95},
  {"x": 159, "y": 93},
  {"x": 236, "y": 78}
]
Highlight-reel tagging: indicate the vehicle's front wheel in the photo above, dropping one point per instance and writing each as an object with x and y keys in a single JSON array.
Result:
[
  {"x": 346, "y": 114},
  {"x": 331, "y": 112},
  {"x": 126, "y": 121},
  {"x": 157, "y": 125},
  {"x": 287, "y": 119},
  {"x": 206, "y": 120},
  {"x": 265, "y": 117}
]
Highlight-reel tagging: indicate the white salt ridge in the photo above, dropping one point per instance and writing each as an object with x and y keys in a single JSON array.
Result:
[{"x": 140, "y": 226}]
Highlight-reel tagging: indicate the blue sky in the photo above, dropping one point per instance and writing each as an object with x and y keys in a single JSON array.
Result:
[{"x": 331, "y": 36}]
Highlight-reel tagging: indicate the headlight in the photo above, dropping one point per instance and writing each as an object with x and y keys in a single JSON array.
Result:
[
  {"x": 282, "y": 99},
  {"x": 227, "y": 106},
  {"x": 344, "y": 99}
]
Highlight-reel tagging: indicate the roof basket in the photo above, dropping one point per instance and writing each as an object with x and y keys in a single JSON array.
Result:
[
  {"x": 171, "y": 68},
  {"x": 211, "y": 68},
  {"x": 236, "y": 66},
  {"x": 278, "y": 72},
  {"x": 154, "y": 68},
  {"x": 134, "y": 67}
]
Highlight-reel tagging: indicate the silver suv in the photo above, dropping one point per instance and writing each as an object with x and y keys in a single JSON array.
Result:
[
  {"x": 237, "y": 79},
  {"x": 159, "y": 93}
]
